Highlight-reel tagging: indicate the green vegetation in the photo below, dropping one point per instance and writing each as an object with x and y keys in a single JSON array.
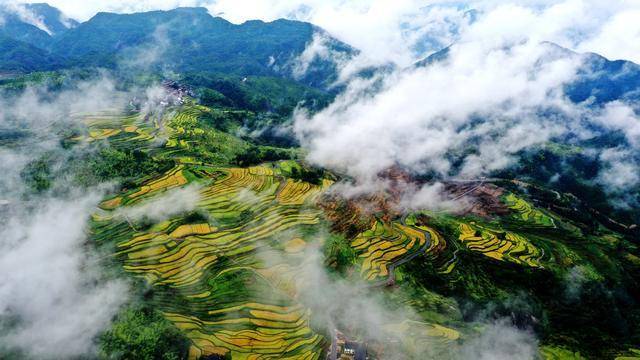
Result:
[
  {"x": 255, "y": 93},
  {"x": 255, "y": 155},
  {"x": 140, "y": 332},
  {"x": 206, "y": 268},
  {"x": 200, "y": 43},
  {"x": 526, "y": 212},
  {"x": 19, "y": 56},
  {"x": 37, "y": 175},
  {"x": 340, "y": 252},
  {"x": 211, "y": 283},
  {"x": 385, "y": 244},
  {"x": 214, "y": 294},
  {"x": 559, "y": 353},
  {"x": 210, "y": 270},
  {"x": 124, "y": 165}
]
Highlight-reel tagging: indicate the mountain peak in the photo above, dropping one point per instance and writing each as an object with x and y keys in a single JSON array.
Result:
[
  {"x": 191, "y": 9},
  {"x": 34, "y": 24}
]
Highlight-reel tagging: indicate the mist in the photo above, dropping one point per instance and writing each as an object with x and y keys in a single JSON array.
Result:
[
  {"x": 50, "y": 282},
  {"x": 496, "y": 91},
  {"x": 371, "y": 314},
  {"x": 170, "y": 203},
  {"x": 55, "y": 295},
  {"x": 499, "y": 340}
]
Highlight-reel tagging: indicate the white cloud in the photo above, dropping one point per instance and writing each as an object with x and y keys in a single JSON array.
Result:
[
  {"x": 619, "y": 37},
  {"x": 349, "y": 305},
  {"x": 620, "y": 116},
  {"x": 620, "y": 170},
  {"x": 170, "y": 203},
  {"x": 430, "y": 196},
  {"x": 500, "y": 69},
  {"x": 421, "y": 116},
  {"x": 501, "y": 341},
  {"x": 25, "y": 15},
  {"x": 51, "y": 282},
  {"x": 48, "y": 283}
]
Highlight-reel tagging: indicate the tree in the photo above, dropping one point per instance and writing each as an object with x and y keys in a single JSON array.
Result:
[{"x": 142, "y": 333}]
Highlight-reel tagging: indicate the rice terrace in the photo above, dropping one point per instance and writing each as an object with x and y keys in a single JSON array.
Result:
[{"x": 227, "y": 272}]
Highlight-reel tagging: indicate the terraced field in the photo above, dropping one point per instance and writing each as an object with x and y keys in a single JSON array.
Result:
[
  {"x": 388, "y": 244},
  {"x": 124, "y": 131},
  {"x": 424, "y": 340},
  {"x": 174, "y": 132},
  {"x": 227, "y": 280},
  {"x": 189, "y": 142},
  {"x": 526, "y": 212},
  {"x": 226, "y": 271},
  {"x": 226, "y": 274},
  {"x": 500, "y": 245},
  {"x": 175, "y": 177}
]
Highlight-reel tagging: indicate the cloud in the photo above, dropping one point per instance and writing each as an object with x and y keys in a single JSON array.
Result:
[
  {"x": 170, "y": 203},
  {"x": 619, "y": 116},
  {"x": 148, "y": 54},
  {"x": 25, "y": 15},
  {"x": 618, "y": 37},
  {"x": 498, "y": 91},
  {"x": 429, "y": 196},
  {"x": 342, "y": 304},
  {"x": 335, "y": 303},
  {"x": 318, "y": 49},
  {"x": 36, "y": 110},
  {"x": 501, "y": 341},
  {"x": 414, "y": 28},
  {"x": 465, "y": 116},
  {"x": 54, "y": 297},
  {"x": 366, "y": 313},
  {"x": 620, "y": 173},
  {"x": 422, "y": 117},
  {"x": 575, "y": 279},
  {"x": 49, "y": 284}
]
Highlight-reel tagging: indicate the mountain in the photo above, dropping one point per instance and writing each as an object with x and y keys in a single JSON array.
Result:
[
  {"x": 189, "y": 39},
  {"x": 19, "y": 56},
  {"x": 598, "y": 80},
  {"x": 35, "y": 24},
  {"x": 239, "y": 264},
  {"x": 52, "y": 18},
  {"x": 601, "y": 80},
  {"x": 12, "y": 26},
  {"x": 26, "y": 32},
  {"x": 182, "y": 40}
]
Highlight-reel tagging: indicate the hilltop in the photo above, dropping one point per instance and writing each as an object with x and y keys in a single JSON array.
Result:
[{"x": 181, "y": 40}]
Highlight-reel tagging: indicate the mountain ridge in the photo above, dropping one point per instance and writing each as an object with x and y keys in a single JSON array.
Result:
[{"x": 191, "y": 39}]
